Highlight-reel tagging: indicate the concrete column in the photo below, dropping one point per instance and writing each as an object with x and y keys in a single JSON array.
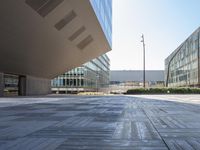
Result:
[
  {"x": 1, "y": 84},
  {"x": 37, "y": 86},
  {"x": 22, "y": 86}
]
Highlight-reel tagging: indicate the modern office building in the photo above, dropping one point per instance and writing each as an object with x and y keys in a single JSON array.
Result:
[
  {"x": 41, "y": 39},
  {"x": 135, "y": 77},
  {"x": 182, "y": 67},
  {"x": 91, "y": 76}
]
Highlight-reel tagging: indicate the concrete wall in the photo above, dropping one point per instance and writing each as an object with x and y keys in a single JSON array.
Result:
[
  {"x": 37, "y": 86},
  {"x": 136, "y": 75},
  {"x": 1, "y": 84}
]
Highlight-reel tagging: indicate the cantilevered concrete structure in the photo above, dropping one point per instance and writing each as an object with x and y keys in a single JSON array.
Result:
[{"x": 41, "y": 39}]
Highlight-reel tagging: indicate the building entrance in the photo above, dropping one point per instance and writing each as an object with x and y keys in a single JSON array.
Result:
[{"x": 11, "y": 85}]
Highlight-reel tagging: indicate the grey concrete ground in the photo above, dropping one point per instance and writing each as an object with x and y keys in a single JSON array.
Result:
[{"x": 100, "y": 123}]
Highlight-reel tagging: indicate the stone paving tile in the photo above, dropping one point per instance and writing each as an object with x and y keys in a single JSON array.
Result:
[
  {"x": 33, "y": 144},
  {"x": 136, "y": 131},
  {"x": 82, "y": 144},
  {"x": 100, "y": 123},
  {"x": 21, "y": 129},
  {"x": 183, "y": 143}
]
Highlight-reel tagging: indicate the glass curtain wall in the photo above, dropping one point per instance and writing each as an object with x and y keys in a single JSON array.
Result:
[
  {"x": 103, "y": 11},
  {"x": 182, "y": 66},
  {"x": 90, "y": 76}
]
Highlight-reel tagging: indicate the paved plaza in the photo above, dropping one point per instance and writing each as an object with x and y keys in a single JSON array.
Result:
[{"x": 100, "y": 123}]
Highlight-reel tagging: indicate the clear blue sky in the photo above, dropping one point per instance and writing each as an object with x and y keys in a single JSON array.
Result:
[{"x": 165, "y": 24}]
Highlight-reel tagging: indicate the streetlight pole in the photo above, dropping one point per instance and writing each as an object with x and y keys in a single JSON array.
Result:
[
  {"x": 97, "y": 80},
  {"x": 143, "y": 60}
]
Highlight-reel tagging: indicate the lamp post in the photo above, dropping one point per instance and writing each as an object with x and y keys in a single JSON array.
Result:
[
  {"x": 143, "y": 60},
  {"x": 97, "y": 80}
]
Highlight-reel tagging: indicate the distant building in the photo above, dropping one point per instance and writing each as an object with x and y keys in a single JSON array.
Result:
[
  {"x": 182, "y": 67},
  {"x": 135, "y": 77},
  {"x": 91, "y": 76}
]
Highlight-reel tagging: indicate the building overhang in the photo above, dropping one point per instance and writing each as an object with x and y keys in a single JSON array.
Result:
[{"x": 48, "y": 41}]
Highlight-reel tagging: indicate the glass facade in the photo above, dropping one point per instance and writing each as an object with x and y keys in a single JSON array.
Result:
[
  {"x": 182, "y": 66},
  {"x": 11, "y": 87},
  {"x": 103, "y": 11},
  {"x": 91, "y": 76}
]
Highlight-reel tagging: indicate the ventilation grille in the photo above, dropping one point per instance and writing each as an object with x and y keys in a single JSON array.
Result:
[
  {"x": 84, "y": 43},
  {"x": 43, "y": 7},
  {"x": 77, "y": 33},
  {"x": 68, "y": 18}
]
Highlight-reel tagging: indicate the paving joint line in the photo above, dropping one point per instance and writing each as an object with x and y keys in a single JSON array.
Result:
[{"x": 152, "y": 124}]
